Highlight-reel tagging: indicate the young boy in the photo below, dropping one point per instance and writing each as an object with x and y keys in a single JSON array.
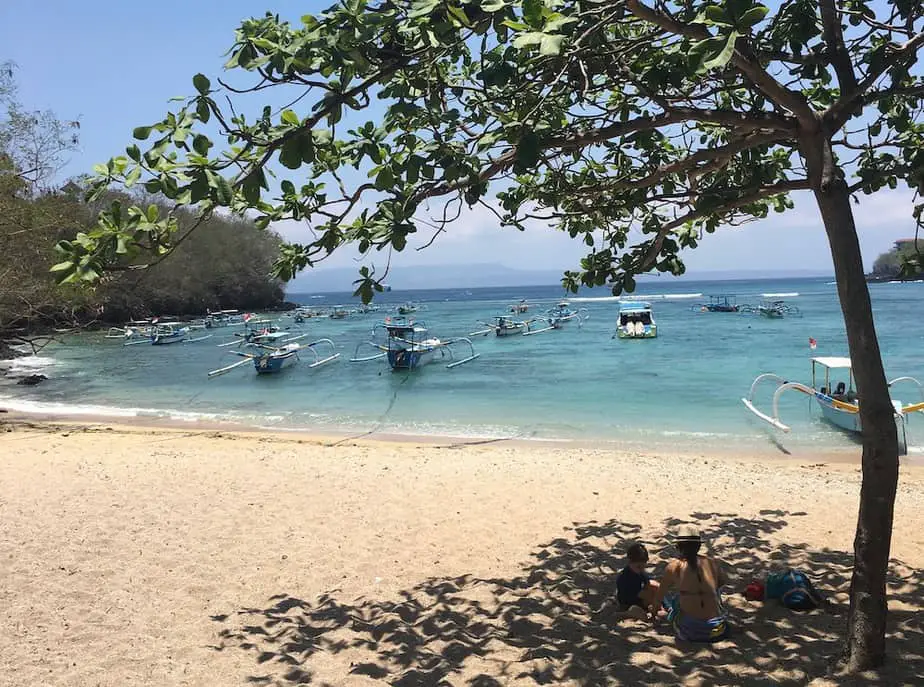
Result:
[{"x": 634, "y": 588}]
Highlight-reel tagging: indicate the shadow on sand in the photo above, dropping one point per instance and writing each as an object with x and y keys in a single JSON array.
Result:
[{"x": 541, "y": 627}]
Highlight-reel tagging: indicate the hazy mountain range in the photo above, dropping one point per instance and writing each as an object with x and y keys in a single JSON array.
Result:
[{"x": 490, "y": 274}]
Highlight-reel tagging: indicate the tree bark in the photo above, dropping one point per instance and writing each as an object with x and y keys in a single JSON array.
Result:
[{"x": 865, "y": 645}]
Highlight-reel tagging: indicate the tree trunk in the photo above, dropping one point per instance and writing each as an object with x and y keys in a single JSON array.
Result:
[{"x": 865, "y": 644}]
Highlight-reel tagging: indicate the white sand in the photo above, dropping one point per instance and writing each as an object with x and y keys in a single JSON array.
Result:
[{"x": 134, "y": 556}]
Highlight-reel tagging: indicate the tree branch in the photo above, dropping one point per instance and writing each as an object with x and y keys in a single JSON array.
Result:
[
  {"x": 693, "y": 215},
  {"x": 773, "y": 89},
  {"x": 833, "y": 36},
  {"x": 838, "y": 114}
]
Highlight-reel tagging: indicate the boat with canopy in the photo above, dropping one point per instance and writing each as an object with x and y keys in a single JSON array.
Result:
[{"x": 836, "y": 399}]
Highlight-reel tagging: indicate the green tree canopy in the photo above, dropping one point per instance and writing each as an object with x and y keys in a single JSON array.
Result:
[
  {"x": 633, "y": 126},
  {"x": 225, "y": 263}
]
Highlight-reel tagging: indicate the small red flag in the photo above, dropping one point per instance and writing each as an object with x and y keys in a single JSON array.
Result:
[{"x": 812, "y": 343}]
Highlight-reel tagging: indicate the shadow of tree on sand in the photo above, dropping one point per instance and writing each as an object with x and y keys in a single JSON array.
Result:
[{"x": 542, "y": 627}]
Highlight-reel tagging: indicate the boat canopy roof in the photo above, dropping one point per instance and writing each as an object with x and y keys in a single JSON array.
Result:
[
  {"x": 833, "y": 362},
  {"x": 634, "y": 306}
]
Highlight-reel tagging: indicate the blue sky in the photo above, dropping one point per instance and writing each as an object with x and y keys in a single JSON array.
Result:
[{"x": 114, "y": 65}]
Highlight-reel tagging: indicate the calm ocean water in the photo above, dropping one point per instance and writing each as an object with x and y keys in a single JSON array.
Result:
[{"x": 683, "y": 388}]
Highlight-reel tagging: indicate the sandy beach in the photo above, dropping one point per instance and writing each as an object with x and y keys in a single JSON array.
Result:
[{"x": 155, "y": 556}]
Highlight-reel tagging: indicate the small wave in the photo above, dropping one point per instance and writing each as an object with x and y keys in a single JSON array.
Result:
[
  {"x": 636, "y": 297},
  {"x": 70, "y": 410},
  {"x": 28, "y": 363},
  {"x": 780, "y": 295}
]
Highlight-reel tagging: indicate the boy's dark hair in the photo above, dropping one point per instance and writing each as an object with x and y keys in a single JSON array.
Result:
[{"x": 637, "y": 553}]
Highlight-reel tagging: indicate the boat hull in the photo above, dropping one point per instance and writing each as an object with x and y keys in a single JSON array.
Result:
[
  {"x": 649, "y": 332},
  {"x": 409, "y": 359},
  {"x": 165, "y": 339},
  {"x": 845, "y": 419},
  {"x": 508, "y": 331},
  {"x": 271, "y": 364}
]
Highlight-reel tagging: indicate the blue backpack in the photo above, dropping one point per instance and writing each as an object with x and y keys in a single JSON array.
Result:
[{"x": 794, "y": 590}]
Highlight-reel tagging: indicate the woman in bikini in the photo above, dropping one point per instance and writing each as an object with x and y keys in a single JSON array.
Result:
[{"x": 689, "y": 590}]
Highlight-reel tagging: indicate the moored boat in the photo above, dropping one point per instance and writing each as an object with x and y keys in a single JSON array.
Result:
[
  {"x": 272, "y": 359},
  {"x": 839, "y": 404},
  {"x": 636, "y": 321},
  {"x": 408, "y": 345},
  {"x": 718, "y": 303}
]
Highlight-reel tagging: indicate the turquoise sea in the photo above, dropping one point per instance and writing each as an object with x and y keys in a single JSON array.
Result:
[{"x": 682, "y": 389}]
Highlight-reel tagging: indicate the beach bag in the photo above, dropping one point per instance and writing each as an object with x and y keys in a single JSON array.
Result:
[{"x": 794, "y": 589}]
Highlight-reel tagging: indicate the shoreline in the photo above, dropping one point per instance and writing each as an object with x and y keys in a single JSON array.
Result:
[{"x": 329, "y": 437}]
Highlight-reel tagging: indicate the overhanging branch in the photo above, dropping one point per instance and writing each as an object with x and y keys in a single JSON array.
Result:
[
  {"x": 838, "y": 114},
  {"x": 771, "y": 88}
]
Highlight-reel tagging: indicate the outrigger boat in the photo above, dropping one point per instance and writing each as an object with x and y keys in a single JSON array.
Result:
[
  {"x": 407, "y": 308},
  {"x": 839, "y": 405},
  {"x": 267, "y": 334},
  {"x": 223, "y": 318},
  {"x": 773, "y": 309},
  {"x": 503, "y": 325},
  {"x": 273, "y": 359},
  {"x": 165, "y": 333},
  {"x": 636, "y": 321},
  {"x": 408, "y": 345},
  {"x": 338, "y": 312},
  {"x": 132, "y": 331},
  {"x": 519, "y": 308},
  {"x": 560, "y": 315},
  {"x": 720, "y": 303}
]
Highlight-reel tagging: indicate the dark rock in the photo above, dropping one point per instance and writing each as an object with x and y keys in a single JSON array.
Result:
[{"x": 31, "y": 380}]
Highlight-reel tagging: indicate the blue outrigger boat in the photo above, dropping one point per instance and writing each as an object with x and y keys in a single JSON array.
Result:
[
  {"x": 273, "y": 359},
  {"x": 839, "y": 404},
  {"x": 408, "y": 345}
]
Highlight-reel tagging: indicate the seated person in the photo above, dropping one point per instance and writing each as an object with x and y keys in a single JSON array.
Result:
[
  {"x": 840, "y": 391},
  {"x": 689, "y": 590},
  {"x": 635, "y": 590}
]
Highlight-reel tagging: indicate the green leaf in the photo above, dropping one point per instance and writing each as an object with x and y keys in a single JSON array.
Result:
[
  {"x": 532, "y": 12},
  {"x": 528, "y": 151},
  {"x": 133, "y": 152},
  {"x": 551, "y": 44},
  {"x": 202, "y": 84},
  {"x": 132, "y": 177},
  {"x": 459, "y": 15},
  {"x": 525, "y": 39},
  {"x": 753, "y": 16},
  {"x": 203, "y": 110},
  {"x": 289, "y": 117},
  {"x": 141, "y": 132},
  {"x": 493, "y": 5},
  {"x": 725, "y": 55},
  {"x": 201, "y": 144},
  {"x": 152, "y": 213},
  {"x": 422, "y": 8},
  {"x": 224, "y": 192},
  {"x": 716, "y": 15},
  {"x": 291, "y": 153},
  {"x": 62, "y": 266}
]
